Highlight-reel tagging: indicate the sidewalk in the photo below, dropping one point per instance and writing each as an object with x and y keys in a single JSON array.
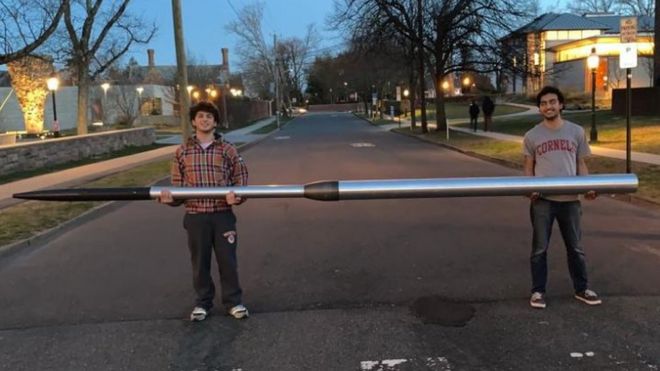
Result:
[
  {"x": 647, "y": 158},
  {"x": 79, "y": 175}
]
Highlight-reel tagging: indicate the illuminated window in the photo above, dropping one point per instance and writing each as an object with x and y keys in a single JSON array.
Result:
[
  {"x": 589, "y": 33},
  {"x": 551, "y": 35},
  {"x": 562, "y": 35},
  {"x": 574, "y": 35}
]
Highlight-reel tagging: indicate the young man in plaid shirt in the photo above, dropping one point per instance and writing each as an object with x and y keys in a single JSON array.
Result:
[{"x": 206, "y": 160}]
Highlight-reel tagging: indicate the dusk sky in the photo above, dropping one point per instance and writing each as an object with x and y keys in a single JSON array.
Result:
[{"x": 204, "y": 26}]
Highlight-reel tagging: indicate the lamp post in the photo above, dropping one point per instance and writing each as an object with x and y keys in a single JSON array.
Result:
[
  {"x": 105, "y": 86},
  {"x": 592, "y": 63},
  {"x": 406, "y": 93},
  {"x": 466, "y": 83},
  {"x": 53, "y": 84},
  {"x": 139, "y": 90}
]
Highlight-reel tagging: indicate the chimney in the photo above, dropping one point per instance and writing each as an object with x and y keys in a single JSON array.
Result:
[
  {"x": 225, "y": 59},
  {"x": 150, "y": 54}
]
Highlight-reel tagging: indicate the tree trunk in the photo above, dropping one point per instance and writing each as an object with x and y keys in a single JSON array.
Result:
[
  {"x": 440, "y": 115},
  {"x": 413, "y": 90},
  {"x": 413, "y": 98},
  {"x": 656, "y": 53},
  {"x": 420, "y": 56},
  {"x": 83, "y": 95}
]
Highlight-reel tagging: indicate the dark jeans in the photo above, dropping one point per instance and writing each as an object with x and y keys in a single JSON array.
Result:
[
  {"x": 208, "y": 233},
  {"x": 473, "y": 122},
  {"x": 543, "y": 214}
]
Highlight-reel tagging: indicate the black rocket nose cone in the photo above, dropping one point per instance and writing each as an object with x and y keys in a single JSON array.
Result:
[{"x": 86, "y": 194}]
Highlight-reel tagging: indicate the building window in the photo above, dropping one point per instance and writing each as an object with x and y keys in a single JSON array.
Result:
[
  {"x": 574, "y": 35},
  {"x": 589, "y": 33},
  {"x": 551, "y": 35},
  {"x": 151, "y": 107},
  {"x": 562, "y": 35}
]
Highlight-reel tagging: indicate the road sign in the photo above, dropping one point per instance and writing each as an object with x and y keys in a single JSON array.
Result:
[
  {"x": 628, "y": 28},
  {"x": 628, "y": 56}
]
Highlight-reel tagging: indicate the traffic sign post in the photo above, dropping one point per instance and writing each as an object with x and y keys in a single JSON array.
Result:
[{"x": 628, "y": 60}]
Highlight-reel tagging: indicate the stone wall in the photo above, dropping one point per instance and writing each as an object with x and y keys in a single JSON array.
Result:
[{"x": 43, "y": 153}]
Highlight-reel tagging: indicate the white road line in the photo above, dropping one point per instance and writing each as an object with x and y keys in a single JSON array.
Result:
[
  {"x": 362, "y": 144},
  {"x": 428, "y": 363}
]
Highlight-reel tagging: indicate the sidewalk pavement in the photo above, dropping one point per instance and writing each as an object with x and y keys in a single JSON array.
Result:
[
  {"x": 79, "y": 175},
  {"x": 647, "y": 158}
]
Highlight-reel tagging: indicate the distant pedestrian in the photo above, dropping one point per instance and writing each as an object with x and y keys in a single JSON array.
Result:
[
  {"x": 556, "y": 147},
  {"x": 206, "y": 160},
  {"x": 488, "y": 106},
  {"x": 474, "y": 114}
]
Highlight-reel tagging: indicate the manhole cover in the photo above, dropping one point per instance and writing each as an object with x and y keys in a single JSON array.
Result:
[{"x": 440, "y": 311}]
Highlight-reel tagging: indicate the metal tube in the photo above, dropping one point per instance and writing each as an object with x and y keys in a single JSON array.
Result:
[
  {"x": 475, "y": 187},
  {"x": 366, "y": 189},
  {"x": 273, "y": 191}
]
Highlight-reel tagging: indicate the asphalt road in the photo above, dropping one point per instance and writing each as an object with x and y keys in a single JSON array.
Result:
[{"x": 426, "y": 284}]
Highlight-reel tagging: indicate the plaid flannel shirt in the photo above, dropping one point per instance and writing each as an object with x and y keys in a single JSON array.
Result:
[{"x": 219, "y": 165}]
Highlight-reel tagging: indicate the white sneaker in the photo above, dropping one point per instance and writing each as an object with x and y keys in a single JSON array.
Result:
[
  {"x": 537, "y": 300},
  {"x": 198, "y": 314},
  {"x": 239, "y": 312}
]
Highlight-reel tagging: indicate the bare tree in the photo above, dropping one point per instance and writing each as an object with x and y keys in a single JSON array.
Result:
[
  {"x": 26, "y": 25},
  {"x": 98, "y": 36},
  {"x": 125, "y": 101},
  {"x": 593, "y": 6},
  {"x": 262, "y": 62},
  {"x": 638, "y": 7},
  {"x": 256, "y": 54}
]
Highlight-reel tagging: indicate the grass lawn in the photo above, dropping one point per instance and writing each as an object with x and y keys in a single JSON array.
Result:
[
  {"x": 377, "y": 121},
  {"x": 649, "y": 175},
  {"x": 29, "y": 218},
  {"x": 460, "y": 111},
  {"x": 611, "y": 129}
]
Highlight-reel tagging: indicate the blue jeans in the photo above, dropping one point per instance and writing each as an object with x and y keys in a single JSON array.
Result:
[{"x": 543, "y": 214}]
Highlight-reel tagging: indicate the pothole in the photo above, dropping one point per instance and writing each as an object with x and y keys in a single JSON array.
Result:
[{"x": 440, "y": 311}]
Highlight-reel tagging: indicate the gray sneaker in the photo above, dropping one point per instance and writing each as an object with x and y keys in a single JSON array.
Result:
[
  {"x": 589, "y": 297},
  {"x": 239, "y": 312},
  {"x": 198, "y": 314},
  {"x": 537, "y": 300}
]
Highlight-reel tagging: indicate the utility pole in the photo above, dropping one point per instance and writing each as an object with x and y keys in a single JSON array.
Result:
[
  {"x": 656, "y": 58},
  {"x": 182, "y": 70},
  {"x": 276, "y": 73}
]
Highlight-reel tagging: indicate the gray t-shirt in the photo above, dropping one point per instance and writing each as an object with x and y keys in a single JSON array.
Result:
[{"x": 556, "y": 151}]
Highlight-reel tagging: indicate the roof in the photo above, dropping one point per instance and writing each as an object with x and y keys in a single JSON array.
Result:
[
  {"x": 167, "y": 74},
  {"x": 565, "y": 21},
  {"x": 613, "y": 22}
]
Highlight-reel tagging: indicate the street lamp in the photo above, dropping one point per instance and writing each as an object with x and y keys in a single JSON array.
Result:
[
  {"x": 466, "y": 83},
  {"x": 105, "y": 86},
  {"x": 53, "y": 83},
  {"x": 592, "y": 63},
  {"x": 139, "y": 90},
  {"x": 445, "y": 86}
]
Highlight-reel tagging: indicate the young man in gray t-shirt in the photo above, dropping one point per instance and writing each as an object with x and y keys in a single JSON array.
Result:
[{"x": 556, "y": 147}]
